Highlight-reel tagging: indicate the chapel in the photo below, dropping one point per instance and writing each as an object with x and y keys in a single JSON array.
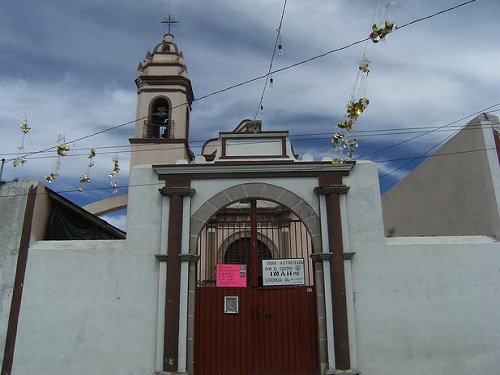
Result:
[{"x": 251, "y": 259}]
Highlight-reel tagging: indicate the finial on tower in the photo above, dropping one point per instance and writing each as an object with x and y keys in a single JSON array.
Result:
[{"x": 170, "y": 21}]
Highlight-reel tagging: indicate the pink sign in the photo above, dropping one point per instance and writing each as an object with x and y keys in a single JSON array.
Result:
[{"x": 232, "y": 275}]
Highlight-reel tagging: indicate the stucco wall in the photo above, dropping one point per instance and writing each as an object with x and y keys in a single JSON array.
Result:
[
  {"x": 13, "y": 197},
  {"x": 430, "y": 308},
  {"x": 426, "y": 305},
  {"x": 89, "y": 307},
  {"x": 456, "y": 192},
  {"x": 421, "y": 305}
]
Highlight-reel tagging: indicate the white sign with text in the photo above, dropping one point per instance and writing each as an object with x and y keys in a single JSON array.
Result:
[{"x": 278, "y": 272}]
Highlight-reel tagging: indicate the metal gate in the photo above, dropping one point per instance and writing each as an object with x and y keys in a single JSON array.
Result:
[{"x": 272, "y": 329}]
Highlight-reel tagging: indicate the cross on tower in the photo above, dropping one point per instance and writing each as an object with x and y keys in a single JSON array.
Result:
[{"x": 169, "y": 21}]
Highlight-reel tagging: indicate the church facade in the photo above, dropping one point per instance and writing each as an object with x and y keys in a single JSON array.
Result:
[{"x": 242, "y": 260}]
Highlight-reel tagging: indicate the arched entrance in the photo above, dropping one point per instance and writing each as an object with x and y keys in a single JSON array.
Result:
[{"x": 255, "y": 294}]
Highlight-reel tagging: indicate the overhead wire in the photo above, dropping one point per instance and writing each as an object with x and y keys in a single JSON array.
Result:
[
  {"x": 278, "y": 37},
  {"x": 264, "y": 76},
  {"x": 430, "y": 131},
  {"x": 412, "y": 158},
  {"x": 301, "y": 137},
  {"x": 435, "y": 14}
]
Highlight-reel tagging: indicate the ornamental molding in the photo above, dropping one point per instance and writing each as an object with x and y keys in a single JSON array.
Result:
[
  {"x": 161, "y": 257},
  {"x": 191, "y": 258},
  {"x": 268, "y": 167},
  {"x": 170, "y": 191},
  {"x": 321, "y": 257},
  {"x": 331, "y": 189}
]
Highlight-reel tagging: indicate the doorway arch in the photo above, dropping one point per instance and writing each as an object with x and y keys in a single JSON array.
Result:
[{"x": 264, "y": 191}]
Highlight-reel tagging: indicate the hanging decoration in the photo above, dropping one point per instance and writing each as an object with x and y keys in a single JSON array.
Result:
[
  {"x": 342, "y": 140},
  {"x": 19, "y": 159},
  {"x": 114, "y": 173},
  {"x": 344, "y": 144},
  {"x": 384, "y": 27},
  {"x": 62, "y": 150},
  {"x": 280, "y": 43},
  {"x": 52, "y": 176},
  {"x": 85, "y": 177},
  {"x": 380, "y": 32}
]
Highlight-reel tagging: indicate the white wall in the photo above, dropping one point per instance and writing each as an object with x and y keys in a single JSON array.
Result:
[
  {"x": 13, "y": 199},
  {"x": 431, "y": 308},
  {"x": 455, "y": 192},
  {"x": 422, "y": 305},
  {"x": 89, "y": 307}
]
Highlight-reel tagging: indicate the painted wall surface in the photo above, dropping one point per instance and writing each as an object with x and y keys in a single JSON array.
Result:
[
  {"x": 12, "y": 200},
  {"x": 422, "y": 305},
  {"x": 89, "y": 307},
  {"x": 430, "y": 308},
  {"x": 456, "y": 192}
]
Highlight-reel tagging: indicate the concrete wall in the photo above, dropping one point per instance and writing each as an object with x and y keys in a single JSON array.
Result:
[
  {"x": 421, "y": 305},
  {"x": 88, "y": 307},
  {"x": 428, "y": 308},
  {"x": 13, "y": 197},
  {"x": 92, "y": 306},
  {"x": 453, "y": 193}
]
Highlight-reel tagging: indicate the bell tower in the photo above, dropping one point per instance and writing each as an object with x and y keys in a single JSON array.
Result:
[{"x": 164, "y": 98}]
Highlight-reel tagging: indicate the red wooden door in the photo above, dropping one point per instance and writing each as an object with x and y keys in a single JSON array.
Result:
[{"x": 274, "y": 332}]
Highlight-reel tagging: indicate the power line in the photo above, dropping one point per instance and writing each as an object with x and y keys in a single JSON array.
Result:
[
  {"x": 278, "y": 36},
  {"x": 435, "y": 14},
  {"x": 430, "y": 131},
  {"x": 297, "y": 137},
  {"x": 412, "y": 158},
  {"x": 422, "y": 155},
  {"x": 260, "y": 77},
  {"x": 304, "y": 137}
]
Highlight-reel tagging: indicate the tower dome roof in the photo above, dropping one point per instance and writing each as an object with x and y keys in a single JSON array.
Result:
[{"x": 166, "y": 59}]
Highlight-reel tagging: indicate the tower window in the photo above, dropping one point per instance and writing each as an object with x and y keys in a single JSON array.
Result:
[{"x": 160, "y": 125}]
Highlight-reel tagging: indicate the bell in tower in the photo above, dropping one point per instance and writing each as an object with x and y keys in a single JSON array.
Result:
[{"x": 164, "y": 99}]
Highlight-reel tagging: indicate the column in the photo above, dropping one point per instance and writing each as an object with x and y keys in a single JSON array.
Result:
[
  {"x": 173, "y": 282},
  {"x": 337, "y": 273}
]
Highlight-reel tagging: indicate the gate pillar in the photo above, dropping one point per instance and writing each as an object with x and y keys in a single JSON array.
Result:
[
  {"x": 329, "y": 193},
  {"x": 175, "y": 320}
]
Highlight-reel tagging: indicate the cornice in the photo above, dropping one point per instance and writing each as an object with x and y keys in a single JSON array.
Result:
[
  {"x": 267, "y": 167},
  {"x": 168, "y": 191},
  {"x": 191, "y": 258},
  {"x": 331, "y": 189}
]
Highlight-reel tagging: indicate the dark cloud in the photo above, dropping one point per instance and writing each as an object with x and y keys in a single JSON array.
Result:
[{"x": 70, "y": 67}]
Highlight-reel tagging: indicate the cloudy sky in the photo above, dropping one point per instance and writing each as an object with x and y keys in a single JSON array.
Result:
[{"x": 69, "y": 67}]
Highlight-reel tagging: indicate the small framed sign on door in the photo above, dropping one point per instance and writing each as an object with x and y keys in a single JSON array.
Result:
[{"x": 230, "y": 304}]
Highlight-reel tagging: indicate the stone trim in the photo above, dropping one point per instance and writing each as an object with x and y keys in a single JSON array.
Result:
[
  {"x": 349, "y": 256},
  {"x": 262, "y": 168},
  {"x": 259, "y": 191},
  {"x": 168, "y": 191},
  {"x": 320, "y": 257},
  {"x": 342, "y": 372},
  {"x": 331, "y": 189},
  {"x": 191, "y": 258},
  {"x": 161, "y": 257}
]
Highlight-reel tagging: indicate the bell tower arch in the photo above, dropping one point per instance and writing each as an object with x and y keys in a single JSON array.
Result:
[{"x": 164, "y": 99}]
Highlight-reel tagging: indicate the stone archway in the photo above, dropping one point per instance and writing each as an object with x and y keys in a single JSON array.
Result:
[{"x": 259, "y": 191}]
